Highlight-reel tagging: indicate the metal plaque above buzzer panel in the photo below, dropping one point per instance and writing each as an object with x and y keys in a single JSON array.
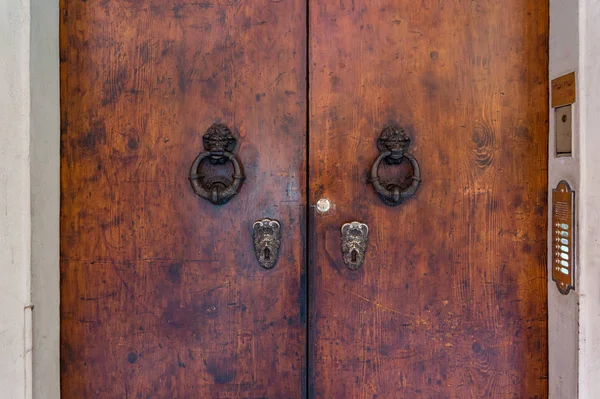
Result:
[
  {"x": 564, "y": 93},
  {"x": 563, "y": 237}
]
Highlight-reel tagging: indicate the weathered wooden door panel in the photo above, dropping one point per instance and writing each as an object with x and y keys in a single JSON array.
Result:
[
  {"x": 451, "y": 299},
  {"x": 162, "y": 296}
]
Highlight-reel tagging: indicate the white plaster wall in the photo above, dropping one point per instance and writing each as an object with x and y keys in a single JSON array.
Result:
[
  {"x": 15, "y": 376},
  {"x": 589, "y": 271},
  {"x": 574, "y": 320},
  {"x": 563, "y": 314},
  {"x": 29, "y": 187},
  {"x": 45, "y": 196},
  {"x": 29, "y": 199}
]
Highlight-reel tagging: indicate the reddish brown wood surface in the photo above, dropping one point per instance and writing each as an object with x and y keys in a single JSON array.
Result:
[
  {"x": 161, "y": 295},
  {"x": 451, "y": 300}
]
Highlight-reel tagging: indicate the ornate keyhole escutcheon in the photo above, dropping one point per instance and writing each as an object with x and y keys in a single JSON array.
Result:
[
  {"x": 219, "y": 145},
  {"x": 266, "y": 237},
  {"x": 355, "y": 236},
  {"x": 393, "y": 147}
]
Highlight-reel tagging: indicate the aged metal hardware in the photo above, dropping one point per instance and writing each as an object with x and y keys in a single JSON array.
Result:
[
  {"x": 355, "y": 236},
  {"x": 266, "y": 236},
  {"x": 393, "y": 146},
  {"x": 564, "y": 90},
  {"x": 563, "y": 130},
  {"x": 563, "y": 237},
  {"x": 219, "y": 144},
  {"x": 323, "y": 205}
]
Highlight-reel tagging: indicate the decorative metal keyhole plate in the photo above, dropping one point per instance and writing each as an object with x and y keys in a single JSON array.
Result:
[
  {"x": 393, "y": 147},
  {"x": 266, "y": 236},
  {"x": 219, "y": 144},
  {"x": 355, "y": 236}
]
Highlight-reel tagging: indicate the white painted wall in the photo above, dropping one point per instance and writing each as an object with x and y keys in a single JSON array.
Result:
[
  {"x": 45, "y": 196},
  {"x": 563, "y": 313},
  {"x": 574, "y": 320},
  {"x": 29, "y": 199},
  {"x": 589, "y": 271},
  {"x": 15, "y": 249}
]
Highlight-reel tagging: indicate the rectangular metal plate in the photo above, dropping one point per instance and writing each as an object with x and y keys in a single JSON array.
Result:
[
  {"x": 563, "y": 237},
  {"x": 563, "y": 90},
  {"x": 563, "y": 130}
]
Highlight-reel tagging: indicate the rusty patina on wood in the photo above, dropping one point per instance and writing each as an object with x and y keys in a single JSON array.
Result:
[
  {"x": 451, "y": 299},
  {"x": 161, "y": 294}
]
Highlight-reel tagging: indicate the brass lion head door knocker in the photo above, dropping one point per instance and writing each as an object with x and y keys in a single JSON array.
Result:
[
  {"x": 266, "y": 236},
  {"x": 219, "y": 145},
  {"x": 393, "y": 147},
  {"x": 355, "y": 236}
]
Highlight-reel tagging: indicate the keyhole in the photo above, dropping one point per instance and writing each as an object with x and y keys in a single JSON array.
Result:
[
  {"x": 267, "y": 254},
  {"x": 353, "y": 256}
]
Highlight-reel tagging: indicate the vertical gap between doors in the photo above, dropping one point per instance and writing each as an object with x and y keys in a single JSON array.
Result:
[{"x": 309, "y": 230}]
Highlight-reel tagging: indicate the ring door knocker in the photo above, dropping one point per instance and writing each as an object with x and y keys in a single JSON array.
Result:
[
  {"x": 393, "y": 146},
  {"x": 219, "y": 144}
]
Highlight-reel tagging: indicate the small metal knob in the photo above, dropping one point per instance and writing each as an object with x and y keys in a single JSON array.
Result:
[{"x": 323, "y": 205}]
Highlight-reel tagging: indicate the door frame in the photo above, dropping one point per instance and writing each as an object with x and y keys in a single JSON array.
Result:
[{"x": 567, "y": 352}]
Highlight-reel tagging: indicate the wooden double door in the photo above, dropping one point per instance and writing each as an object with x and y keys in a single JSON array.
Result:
[{"x": 164, "y": 294}]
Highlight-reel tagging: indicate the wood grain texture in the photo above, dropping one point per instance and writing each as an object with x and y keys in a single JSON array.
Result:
[
  {"x": 451, "y": 300},
  {"x": 161, "y": 295},
  {"x": 564, "y": 90}
]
